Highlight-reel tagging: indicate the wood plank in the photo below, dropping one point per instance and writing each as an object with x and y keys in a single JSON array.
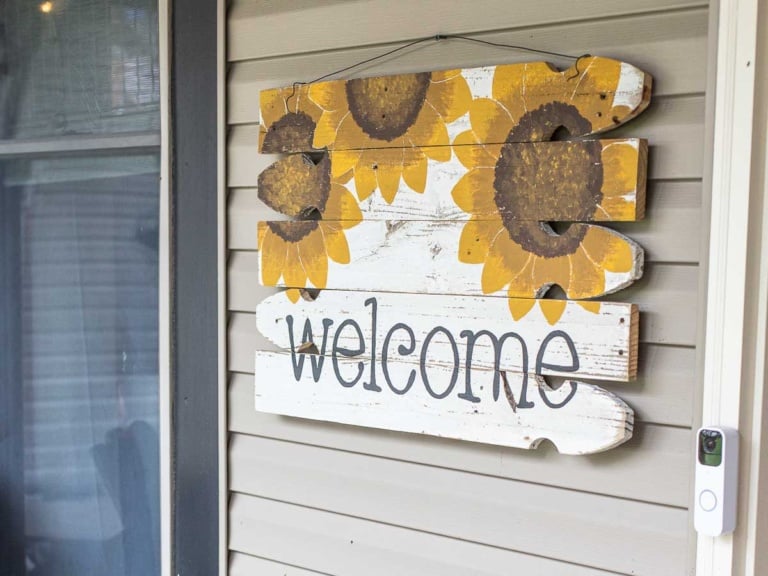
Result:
[
  {"x": 515, "y": 410},
  {"x": 261, "y": 29},
  {"x": 622, "y": 472},
  {"x": 347, "y": 546},
  {"x": 578, "y": 181},
  {"x": 666, "y": 295},
  {"x": 670, "y": 232},
  {"x": 603, "y": 338},
  {"x": 527, "y": 102},
  {"x": 671, "y": 45},
  {"x": 669, "y": 124},
  {"x": 476, "y": 258},
  {"x": 588, "y": 529}
]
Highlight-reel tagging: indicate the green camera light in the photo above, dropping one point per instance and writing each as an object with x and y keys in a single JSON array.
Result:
[{"x": 710, "y": 448}]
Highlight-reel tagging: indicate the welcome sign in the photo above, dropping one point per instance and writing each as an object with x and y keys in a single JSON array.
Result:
[{"x": 434, "y": 211}]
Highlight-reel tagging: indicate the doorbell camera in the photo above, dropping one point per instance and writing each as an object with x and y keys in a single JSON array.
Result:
[{"x": 717, "y": 464}]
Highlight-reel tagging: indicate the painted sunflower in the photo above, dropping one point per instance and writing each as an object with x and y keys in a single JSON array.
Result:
[
  {"x": 527, "y": 256},
  {"x": 287, "y": 117},
  {"x": 385, "y": 129},
  {"x": 299, "y": 250}
]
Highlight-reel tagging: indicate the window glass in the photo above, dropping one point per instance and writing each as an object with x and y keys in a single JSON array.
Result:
[{"x": 79, "y": 447}]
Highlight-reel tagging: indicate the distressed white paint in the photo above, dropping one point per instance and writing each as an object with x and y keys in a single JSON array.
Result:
[
  {"x": 422, "y": 257},
  {"x": 603, "y": 341},
  {"x": 629, "y": 91},
  {"x": 592, "y": 421}
]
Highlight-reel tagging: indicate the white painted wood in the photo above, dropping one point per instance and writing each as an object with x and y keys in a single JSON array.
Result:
[
  {"x": 259, "y": 29},
  {"x": 669, "y": 43},
  {"x": 344, "y": 545},
  {"x": 603, "y": 341},
  {"x": 669, "y": 232},
  {"x": 622, "y": 472},
  {"x": 384, "y": 255},
  {"x": 729, "y": 246},
  {"x": 582, "y": 418},
  {"x": 589, "y": 529}
]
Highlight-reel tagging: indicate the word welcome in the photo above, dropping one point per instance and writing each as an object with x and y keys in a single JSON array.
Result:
[{"x": 418, "y": 352}]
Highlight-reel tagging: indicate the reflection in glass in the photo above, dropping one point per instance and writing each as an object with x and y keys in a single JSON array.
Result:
[{"x": 79, "y": 449}]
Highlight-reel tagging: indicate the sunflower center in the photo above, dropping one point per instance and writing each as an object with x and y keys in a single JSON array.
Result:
[
  {"x": 386, "y": 107},
  {"x": 293, "y": 231},
  {"x": 295, "y": 130},
  {"x": 561, "y": 183},
  {"x": 296, "y": 186}
]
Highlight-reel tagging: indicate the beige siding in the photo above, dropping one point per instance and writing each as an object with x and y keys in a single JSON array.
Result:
[{"x": 312, "y": 498}]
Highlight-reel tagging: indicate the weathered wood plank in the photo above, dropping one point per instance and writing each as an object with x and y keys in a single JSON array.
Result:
[
  {"x": 475, "y": 258},
  {"x": 515, "y": 410},
  {"x": 490, "y": 105},
  {"x": 577, "y": 181},
  {"x": 601, "y": 337}
]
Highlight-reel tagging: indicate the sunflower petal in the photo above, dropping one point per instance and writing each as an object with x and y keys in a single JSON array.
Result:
[
  {"x": 314, "y": 259},
  {"x": 475, "y": 240},
  {"x": 472, "y": 154},
  {"x": 607, "y": 249},
  {"x": 450, "y": 95},
  {"x": 474, "y": 194},
  {"x": 430, "y": 132},
  {"x": 335, "y": 243},
  {"x": 327, "y": 128},
  {"x": 365, "y": 180},
  {"x": 590, "y": 306},
  {"x": 342, "y": 161},
  {"x": 388, "y": 178},
  {"x": 293, "y": 294},
  {"x": 497, "y": 271},
  {"x": 552, "y": 310},
  {"x": 415, "y": 170},
  {"x": 272, "y": 256},
  {"x": 342, "y": 205},
  {"x": 587, "y": 279},
  {"x": 491, "y": 123},
  {"x": 519, "y": 307},
  {"x": 549, "y": 271},
  {"x": 293, "y": 271}
]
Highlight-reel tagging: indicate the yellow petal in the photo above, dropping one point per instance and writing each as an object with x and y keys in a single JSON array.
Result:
[
  {"x": 388, "y": 178},
  {"x": 608, "y": 249},
  {"x": 293, "y": 294},
  {"x": 293, "y": 272},
  {"x": 450, "y": 95},
  {"x": 519, "y": 307},
  {"x": 521, "y": 285},
  {"x": 474, "y": 155},
  {"x": 552, "y": 310},
  {"x": 271, "y": 107},
  {"x": 273, "y": 250},
  {"x": 587, "y": 280},
  {"x": 490, "y": 121},
  {"x": 474, "y": 192},
  {"x": 314, "y": 259},
  {"x": 548, "y": 271},
  {"x": 342, "y": 206},
  {"x": 365, "y": 180},
  {"x": 429, "y": 132},
  {"x": 330, "y": 96},
  {"x": 475, "y": 240},
  {"x": 590, "y": 306},
  {"x": 326, "y": 129},
  {"x": 415, "y": 170},
  {"x": 620, "y": 168},
  {"x": 342, "y": 161},
  {"x": 335, "y": 243},
  {"x": 504, "y": 261}
]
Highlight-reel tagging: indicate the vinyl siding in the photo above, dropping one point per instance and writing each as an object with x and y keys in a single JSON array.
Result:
[{"x": 317, "y": 498}]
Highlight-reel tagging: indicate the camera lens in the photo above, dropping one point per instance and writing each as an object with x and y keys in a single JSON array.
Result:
[{"x": 710, "y": 444}]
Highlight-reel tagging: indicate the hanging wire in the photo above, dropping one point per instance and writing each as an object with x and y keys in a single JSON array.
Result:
[{"x": 437, "y": 38}]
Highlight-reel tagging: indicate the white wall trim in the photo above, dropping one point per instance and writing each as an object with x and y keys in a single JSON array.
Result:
[
  {"x": 164, "y": 297},
  {"x": 725, "y": 385}
]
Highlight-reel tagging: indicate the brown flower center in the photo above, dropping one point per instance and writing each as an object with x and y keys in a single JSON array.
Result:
[
  {"x": 294, "y": 131},
  {"x": 386, "y": 107},
  {"x": 554, "y": 182},
  {"x": 539, "y": 125},
  {"x": 293, "y": 231},
  {"x": 296, "y": 186}
]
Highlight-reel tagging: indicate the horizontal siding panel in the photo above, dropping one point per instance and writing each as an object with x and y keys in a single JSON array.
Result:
[
  {"x": 670, "y": 231},
  {"x": 667, "y": 46},
  {"x": 673, "y": 126},
  {"x": 346, "y": 546},
  {"x": 588, "y": 529},
  {"x": 622, "y": 472},
  {"x": 666, "y": 295},
  {"x": 245, "y": 565},
  {"x": 260, "y": 29}
]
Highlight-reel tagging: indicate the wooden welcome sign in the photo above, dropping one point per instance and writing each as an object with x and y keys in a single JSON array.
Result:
[{"x": 434, "y": 211}]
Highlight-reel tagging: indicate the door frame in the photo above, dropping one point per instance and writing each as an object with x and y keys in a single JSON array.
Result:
[{"x": 737, "y": 276}]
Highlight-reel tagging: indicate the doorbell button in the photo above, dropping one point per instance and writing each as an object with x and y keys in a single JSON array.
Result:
[{"x": 707, "y": 500}]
